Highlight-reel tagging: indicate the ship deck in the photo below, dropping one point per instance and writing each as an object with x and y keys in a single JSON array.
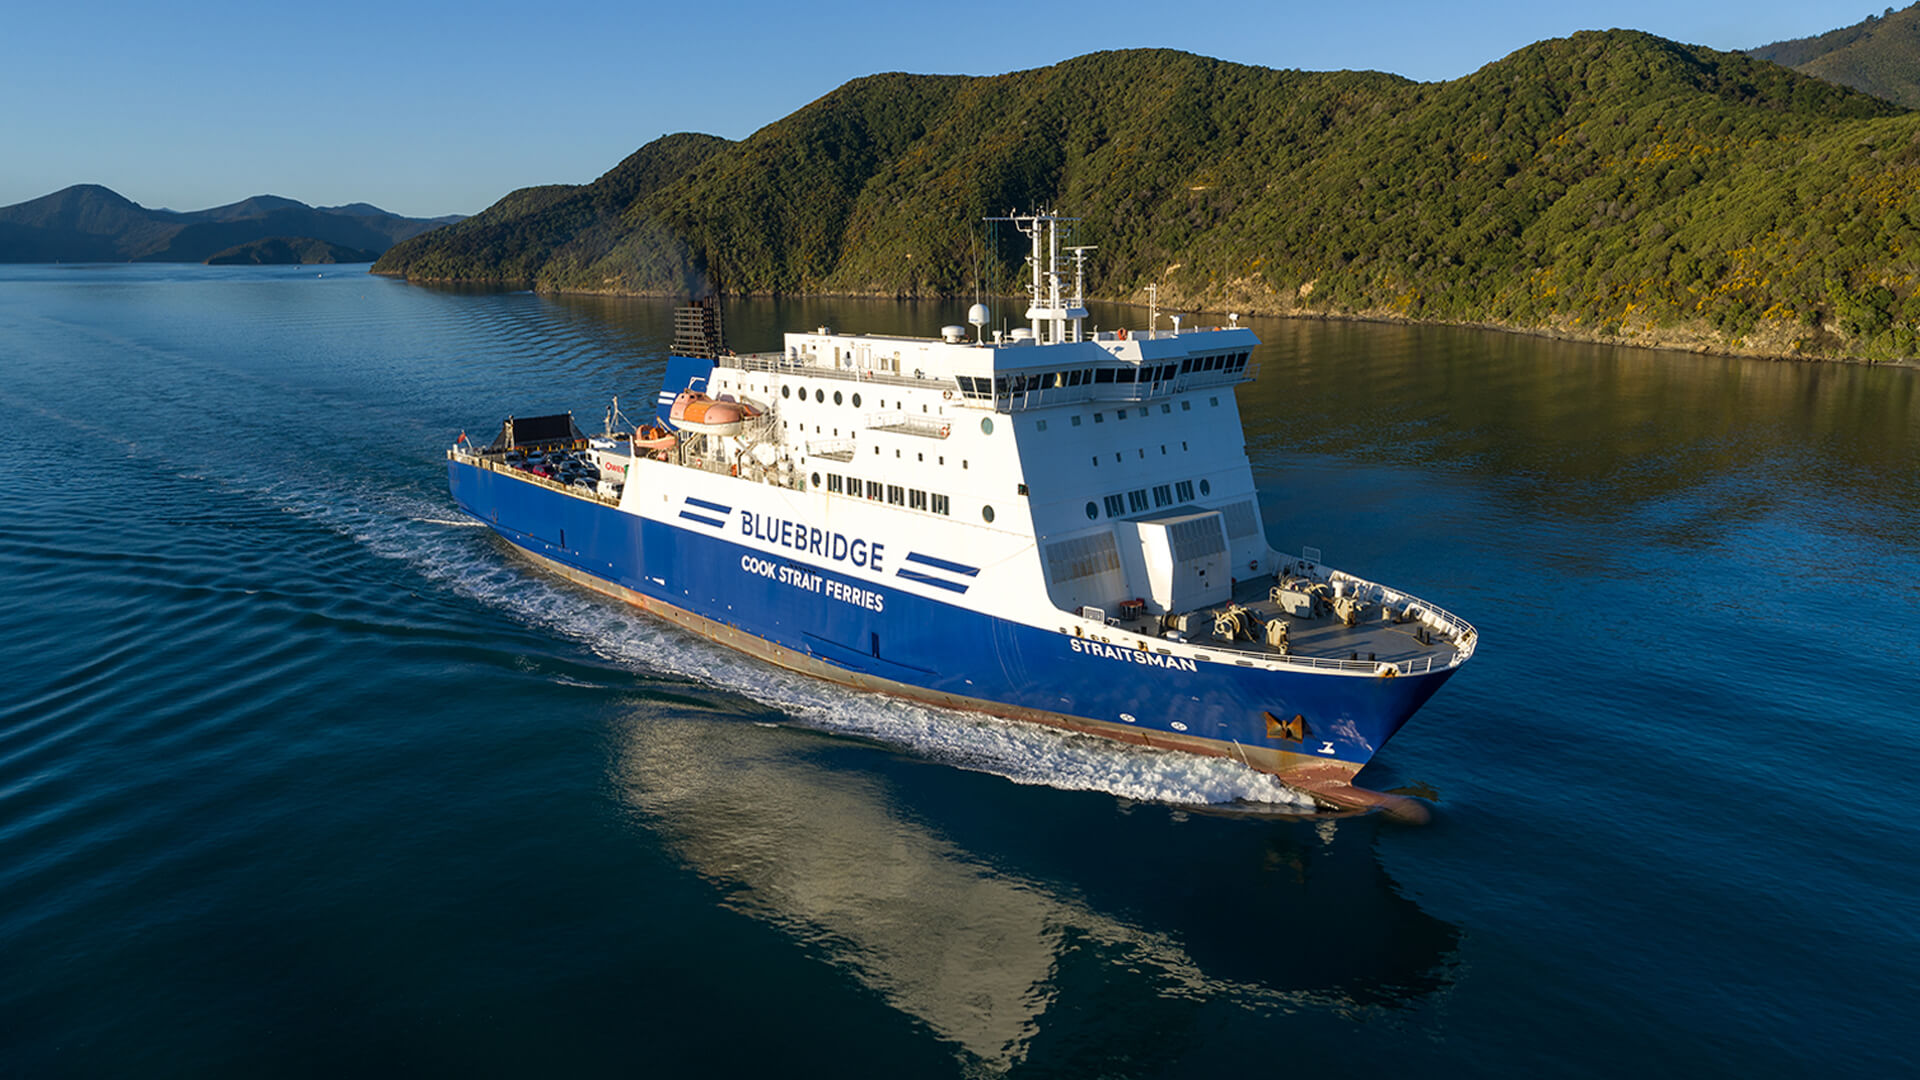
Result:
[{"x": 1380, "y": 633}]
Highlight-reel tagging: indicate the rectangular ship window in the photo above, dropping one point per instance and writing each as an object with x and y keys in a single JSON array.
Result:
[
  {"x": 834, "y": 484},
  {"x": 940, "y": 504},
  {"x": 1163, "y": 495},
  {"x": 1116, "y": 505},
  {"x": 1137, "y": 500},
  {"x": 896, "y": 494},
  {"x": 1099, "y": 418},
  {"x": 916, "y": 499},
  {"x": 874, "y": 489},
  {"x": 1076, "y": 419},
  {"x": 1184, "y": 489}
]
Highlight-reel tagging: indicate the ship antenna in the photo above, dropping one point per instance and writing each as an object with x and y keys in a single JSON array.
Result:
[{"x": 975, "y": 244}]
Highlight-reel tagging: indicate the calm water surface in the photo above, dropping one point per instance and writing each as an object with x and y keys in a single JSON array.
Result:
[{"x": 299, "y": 774}]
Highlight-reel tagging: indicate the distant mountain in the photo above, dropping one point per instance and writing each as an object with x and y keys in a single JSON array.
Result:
[
  {"x": 90, "y": 223},
  {"x": 1879, "y": 55},
  {"x": 289, "y": 251},
  {"x": 1610, "y": 185}
]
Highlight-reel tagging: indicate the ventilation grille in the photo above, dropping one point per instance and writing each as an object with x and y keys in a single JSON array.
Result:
[
  {"x": 1082, "y": 556},
  {"x": 1196, "y": 538},
  {"x": 1240, "y": 520}
]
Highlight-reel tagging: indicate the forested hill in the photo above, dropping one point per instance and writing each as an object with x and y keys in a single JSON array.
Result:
[
  {"x": 90, "y": 223},
  {"x": 1611, "y": 184},
  {"x": 1879, "y": 55}
]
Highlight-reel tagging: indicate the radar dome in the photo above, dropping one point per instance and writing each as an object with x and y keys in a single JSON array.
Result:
[{"x": 977, "y": 315}]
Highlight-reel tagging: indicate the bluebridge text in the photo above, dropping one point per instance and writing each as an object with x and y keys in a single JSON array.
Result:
[{"x": 805, "y": 538}]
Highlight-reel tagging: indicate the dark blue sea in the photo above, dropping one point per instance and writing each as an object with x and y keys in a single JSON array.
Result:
[{"x": 302, "y": 775}]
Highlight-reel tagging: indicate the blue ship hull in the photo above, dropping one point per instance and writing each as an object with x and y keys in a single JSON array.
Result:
[{"x": 694, "y": 569}]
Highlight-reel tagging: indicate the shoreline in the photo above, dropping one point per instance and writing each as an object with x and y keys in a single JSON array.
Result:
[{"x": 1678, "y": 340}]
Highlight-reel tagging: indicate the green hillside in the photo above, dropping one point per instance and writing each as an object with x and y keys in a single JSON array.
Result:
[
  {"x": 1611, "y": 185},
  {"x": 1879, "y": 55},
  {"x": 288, "y": 251}
]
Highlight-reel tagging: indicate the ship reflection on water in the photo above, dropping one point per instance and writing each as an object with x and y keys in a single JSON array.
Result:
[{"x": 1001, "y": 916}]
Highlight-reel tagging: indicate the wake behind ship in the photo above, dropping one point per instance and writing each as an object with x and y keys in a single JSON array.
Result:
[{"x": 1049, "y": 525}]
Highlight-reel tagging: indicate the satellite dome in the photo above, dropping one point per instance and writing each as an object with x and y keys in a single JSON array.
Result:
[{"x": 978, "y": 315}]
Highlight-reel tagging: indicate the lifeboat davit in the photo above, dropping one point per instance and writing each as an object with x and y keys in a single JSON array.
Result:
[{"x": 695, "y": 411}]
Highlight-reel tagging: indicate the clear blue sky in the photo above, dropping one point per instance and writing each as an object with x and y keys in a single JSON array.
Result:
[{"x": 429, "y": 109}]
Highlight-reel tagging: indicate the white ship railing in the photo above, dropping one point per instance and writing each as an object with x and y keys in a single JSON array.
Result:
[
  {"x": 1459, "y": 630},
  {"x": 1256, "y": 656},
  {"x": 837, "y": 449},
  {"x": 908, "y": 424},
  {"x": 781, "y": 363}
]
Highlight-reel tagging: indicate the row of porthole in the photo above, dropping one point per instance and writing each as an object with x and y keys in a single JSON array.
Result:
[{"x": 818, "y": 395}]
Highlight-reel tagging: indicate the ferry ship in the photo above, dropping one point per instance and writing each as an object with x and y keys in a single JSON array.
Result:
[{"x": 1046, "y": 524}]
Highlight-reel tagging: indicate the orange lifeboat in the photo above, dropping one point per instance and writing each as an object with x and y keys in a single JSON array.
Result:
[
  {"x": 652, "y": 438},
  {"x": 695, "y": 411}
]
